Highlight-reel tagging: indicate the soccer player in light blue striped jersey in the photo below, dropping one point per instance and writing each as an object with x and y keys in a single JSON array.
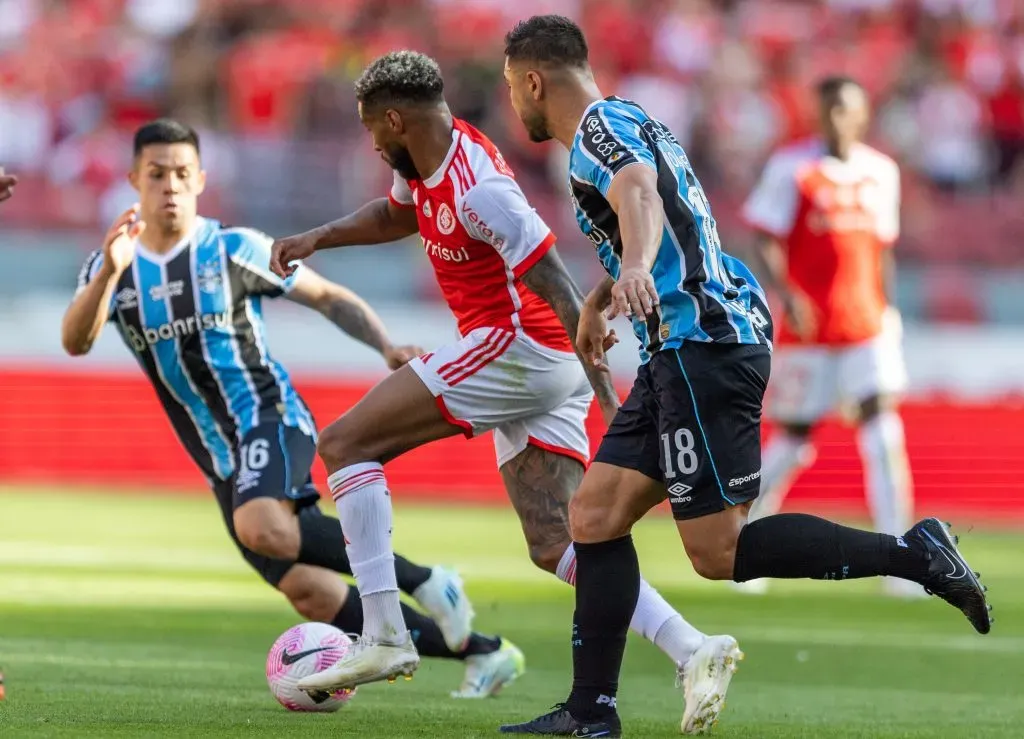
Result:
[
  {"x": 690, "y": 429},
  {"x": 186, "y": 295}
]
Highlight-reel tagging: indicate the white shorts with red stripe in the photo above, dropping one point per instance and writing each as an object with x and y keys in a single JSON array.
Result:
[{"x": 529, "y": 394}]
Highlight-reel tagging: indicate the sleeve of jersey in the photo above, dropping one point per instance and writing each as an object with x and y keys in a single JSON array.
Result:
[
  {"x": 90, "y": 269},
  {"x": 401, "y": 194},
  {"x": 610, "y": 141},
  {"x": 889, "y": 218},
  {"x": 496, "y": 211},
  {"x": 771, "y": 207},
  {"x": 249, "y": 252}
]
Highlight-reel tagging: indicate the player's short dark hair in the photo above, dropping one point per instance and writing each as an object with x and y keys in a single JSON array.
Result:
[
  {"x": 830, "y": 87},
  {"x": 165, "y": 131},
  {"x": 400, "y": 77},
  {"x": 548, "y": 39}
]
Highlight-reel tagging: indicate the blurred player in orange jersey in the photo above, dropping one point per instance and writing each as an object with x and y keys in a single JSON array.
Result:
[{"x": 828, "y": 212}]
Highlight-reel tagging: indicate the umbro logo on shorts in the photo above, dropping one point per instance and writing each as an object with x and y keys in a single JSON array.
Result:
[{"x": 677, "y": 493}]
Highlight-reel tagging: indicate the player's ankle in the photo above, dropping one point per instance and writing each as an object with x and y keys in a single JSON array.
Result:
[{"x": 591, "y": 704}]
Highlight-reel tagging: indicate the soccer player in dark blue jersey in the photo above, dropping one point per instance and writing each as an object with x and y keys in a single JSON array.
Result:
[
  {"x": 186, "y": 295},
  {"x": 690, "y": 428}
]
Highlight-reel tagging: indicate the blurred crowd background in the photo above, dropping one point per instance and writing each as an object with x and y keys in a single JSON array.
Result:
[{"x": 269, "y": 85}]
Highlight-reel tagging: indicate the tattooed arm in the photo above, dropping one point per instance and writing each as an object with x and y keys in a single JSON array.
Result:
[
  {"x": 350, "y": 313},
  {"x": 550, "y": 280}
]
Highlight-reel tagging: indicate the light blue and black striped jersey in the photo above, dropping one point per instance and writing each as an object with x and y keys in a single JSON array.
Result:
[
  {"x": 194, "y": 320},
  {"x": 705, "y": 294}
]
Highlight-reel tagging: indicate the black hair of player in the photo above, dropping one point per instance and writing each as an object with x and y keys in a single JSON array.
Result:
[
  {"x": 548, "y": 39},
  {"x": 400, "y": 77},
  {"x": 165, "y": 131},
  {"x": 831, "y": 87}
]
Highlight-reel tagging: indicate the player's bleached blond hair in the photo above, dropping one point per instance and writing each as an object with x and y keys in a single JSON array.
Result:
[{"x": 400, "y": 77}]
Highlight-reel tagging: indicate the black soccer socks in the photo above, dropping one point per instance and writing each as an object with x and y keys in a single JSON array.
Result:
[
  {"x": 321, "y": 546},
  {"x": 607, "y": 588},
  {"x": 795, "y": 545}
]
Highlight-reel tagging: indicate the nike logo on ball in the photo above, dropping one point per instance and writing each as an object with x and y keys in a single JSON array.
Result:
[{"x": 288, "y": 658}]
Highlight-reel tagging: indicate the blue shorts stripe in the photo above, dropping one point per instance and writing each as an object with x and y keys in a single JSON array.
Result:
[{"x": 700, "y": 426}]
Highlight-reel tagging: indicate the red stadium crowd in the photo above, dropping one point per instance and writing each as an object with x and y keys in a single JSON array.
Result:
[{"x": 730, "y": 77}]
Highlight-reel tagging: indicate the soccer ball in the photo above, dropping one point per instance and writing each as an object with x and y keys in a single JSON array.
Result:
[{"x": 301, "y": 651}]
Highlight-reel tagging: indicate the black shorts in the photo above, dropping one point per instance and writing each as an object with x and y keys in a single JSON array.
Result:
[
  {"x": 693, "y": 422},
  {"x": 273, "y": 461}
]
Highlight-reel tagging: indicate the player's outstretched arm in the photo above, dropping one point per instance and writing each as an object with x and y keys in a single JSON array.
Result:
[
  {"x": 90, "y": 309},
  {"x": 350, "y": 313},
  {"x": 378, "y": 222},
  {"x": 549, "y": 279},
  {"x": 633, "y": 195}
]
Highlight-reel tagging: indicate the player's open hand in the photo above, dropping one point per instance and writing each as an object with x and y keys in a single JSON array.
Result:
[
  {"x": 288, "y": 250},
  {"x": 801, "y": 316},
  {"x": 593, "y": 339},
  {"x": 397, "y": 356},
  {"x": 633, "y": 294},
  {"x": 7, "y": 183},
  {"x": 119, "y": 244}
]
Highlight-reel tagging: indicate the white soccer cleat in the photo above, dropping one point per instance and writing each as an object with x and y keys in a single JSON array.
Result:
[
  {"x": 487, "y": 674},
  {"x": 365, "y": 662},
  {"x": 705, "y": 680},
  {"x": 444, "y": 599},
  {"x": 751, "y": 587}
]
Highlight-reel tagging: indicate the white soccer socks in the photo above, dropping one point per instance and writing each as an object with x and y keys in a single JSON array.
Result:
[
  {"x": 654, "y": 619},
  {"x": 886, "y": 472},
  {"x": 361, "y": 495}
]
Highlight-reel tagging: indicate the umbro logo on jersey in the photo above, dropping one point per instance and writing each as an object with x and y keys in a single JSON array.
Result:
[
  {"x": 677, "y": 493},
  {"x": 128, "y": 298},
  {"x": 445, "y": 219}
]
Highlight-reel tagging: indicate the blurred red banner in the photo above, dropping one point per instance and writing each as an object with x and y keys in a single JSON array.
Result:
[{"x": 107, "y": 429}]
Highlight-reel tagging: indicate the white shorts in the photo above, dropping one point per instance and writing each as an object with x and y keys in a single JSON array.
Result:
[
  {"x": 529, "y": 394},
  {"x": 808, "y": 382}
]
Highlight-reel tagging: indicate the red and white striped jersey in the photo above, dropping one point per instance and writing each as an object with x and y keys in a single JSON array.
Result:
[{"x": 481, "y": 236}]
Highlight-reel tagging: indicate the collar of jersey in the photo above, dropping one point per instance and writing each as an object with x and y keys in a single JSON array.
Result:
[
  {"x": 438, "y": 176},
  {"x": 174, "y": 250}
]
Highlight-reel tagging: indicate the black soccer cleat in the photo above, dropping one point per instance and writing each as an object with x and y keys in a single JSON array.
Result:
[
  {"x": 561, "y": 723},
  {"x": 949, "y": 576}
]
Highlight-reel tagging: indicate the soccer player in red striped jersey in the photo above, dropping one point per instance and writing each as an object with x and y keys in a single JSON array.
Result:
[{"x": 514, "y": 371}]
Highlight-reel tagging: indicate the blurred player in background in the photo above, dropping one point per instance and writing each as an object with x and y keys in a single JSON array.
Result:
[
  {"x": 690, "y": 429},
  {"x": 828, "y": 212},
  {"x": 185, "y": 293},
  {"x": 513, "y": 371},
  {"x": 7, "y": 183}
]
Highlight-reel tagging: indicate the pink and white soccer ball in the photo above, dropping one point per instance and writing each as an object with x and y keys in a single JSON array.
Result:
[{"x": 301, "y": 651}]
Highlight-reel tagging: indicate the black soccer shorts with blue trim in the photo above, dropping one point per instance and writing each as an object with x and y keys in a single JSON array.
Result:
[
  {"x": 693, "y": 422},
  {"x": 273, "y": 461}
]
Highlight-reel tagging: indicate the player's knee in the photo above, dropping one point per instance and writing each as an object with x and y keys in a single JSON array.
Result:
[
  {"x": 314, "y": 604},
  {"x": 274, "y": 535},
  {"x": 589, "y": 523},
  {"x": 711, "y": 563},
  {"x": 546, "y": 556},
  {"x": 339, "y": 445}
]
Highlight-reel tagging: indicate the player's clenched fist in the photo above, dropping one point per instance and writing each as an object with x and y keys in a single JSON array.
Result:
[
  {"x": 119, "y": 244},
  {"x": 7, "y": 183},
  {"x": 633, "y": 293},
  {"x": 397, "y": 356},
  {"x": 288, "y": 250}
]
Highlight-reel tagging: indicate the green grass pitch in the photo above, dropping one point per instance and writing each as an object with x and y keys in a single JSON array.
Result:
[{"x": 133, "y": 616}]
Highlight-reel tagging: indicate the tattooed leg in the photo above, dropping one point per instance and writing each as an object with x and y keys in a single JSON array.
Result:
[{"x": 540, "y": 484}]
